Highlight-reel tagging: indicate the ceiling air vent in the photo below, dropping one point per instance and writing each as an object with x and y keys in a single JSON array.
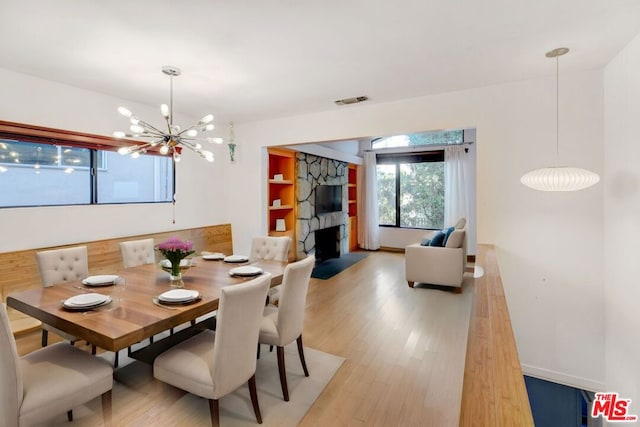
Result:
[{"x": 353, "y": 100}]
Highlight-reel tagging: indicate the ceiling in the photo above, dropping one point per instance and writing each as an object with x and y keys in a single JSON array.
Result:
[{"x": 253, "y": 60}]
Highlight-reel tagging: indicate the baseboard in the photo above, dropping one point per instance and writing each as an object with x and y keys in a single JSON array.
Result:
[
  {"x": 390, "y": 249},
  {"x": 565, "y": 379}
]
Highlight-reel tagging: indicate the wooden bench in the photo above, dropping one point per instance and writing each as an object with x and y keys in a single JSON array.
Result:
[{"x": 19, "y": 270}]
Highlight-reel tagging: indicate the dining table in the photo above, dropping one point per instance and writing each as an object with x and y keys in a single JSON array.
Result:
[{"x": 134, "y": 312}]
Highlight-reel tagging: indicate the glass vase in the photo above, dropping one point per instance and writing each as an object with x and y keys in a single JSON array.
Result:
[{"x": 176, "y": 276}]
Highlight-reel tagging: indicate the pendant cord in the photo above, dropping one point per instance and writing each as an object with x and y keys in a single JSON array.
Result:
[
  {"x": 170, "y": 104},
  {"x": 557, "y": 111}
]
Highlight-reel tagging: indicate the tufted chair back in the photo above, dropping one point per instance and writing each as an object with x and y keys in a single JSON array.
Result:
[
  {"x": 270, "y": 248},
  {"x": 137, "y": 252},
  {"x": 62, "y": 265},
  {"x": 11, "y": 387}
]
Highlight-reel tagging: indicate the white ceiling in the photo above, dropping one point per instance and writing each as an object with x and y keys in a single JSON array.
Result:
[{"x": 252, "y": 60}]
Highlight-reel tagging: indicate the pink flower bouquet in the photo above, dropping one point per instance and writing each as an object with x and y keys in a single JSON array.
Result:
[{"x": 175, "y": 250}]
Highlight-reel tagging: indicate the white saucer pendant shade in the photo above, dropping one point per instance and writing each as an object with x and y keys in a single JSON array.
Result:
[{"x": 560, "y": 178}]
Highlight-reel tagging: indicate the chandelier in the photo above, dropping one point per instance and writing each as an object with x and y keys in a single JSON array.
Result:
[
  {"x": 559, "y": 178},
  {"x": 172, "y": 139}
]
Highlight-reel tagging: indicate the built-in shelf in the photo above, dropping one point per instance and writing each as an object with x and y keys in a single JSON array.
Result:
[
  {"x": 282, "y": 164},
  {"x": 281, "y": 181},
  {"x": 352, "y": 190}
]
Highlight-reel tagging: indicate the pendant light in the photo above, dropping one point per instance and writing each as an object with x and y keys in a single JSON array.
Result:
[{"x": 559, "y": 178}]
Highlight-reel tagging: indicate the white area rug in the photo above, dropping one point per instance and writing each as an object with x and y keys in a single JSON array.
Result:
[{"x": 140, "y": 400}]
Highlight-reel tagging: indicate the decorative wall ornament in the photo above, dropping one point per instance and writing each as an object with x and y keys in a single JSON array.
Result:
[{"x": 232, "y": 143}]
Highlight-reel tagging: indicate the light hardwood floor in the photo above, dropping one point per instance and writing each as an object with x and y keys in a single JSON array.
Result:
[{"x": 404, "y": 348}]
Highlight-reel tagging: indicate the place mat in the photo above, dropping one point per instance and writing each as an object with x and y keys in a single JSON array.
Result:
[
  {"x": 68, "y": 307},
  {"x": 245, "y": 271},
  {"x": 172, "y": 303},
  {"x": 178, "y": 295}
]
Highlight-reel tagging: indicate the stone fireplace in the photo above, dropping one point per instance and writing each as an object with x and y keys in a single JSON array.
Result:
[{"x": 312, "y": 171}]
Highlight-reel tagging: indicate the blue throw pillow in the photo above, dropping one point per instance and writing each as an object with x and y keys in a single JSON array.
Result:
[
  {"x": 437, "y": 239},
  {"x": 447, "y": 232},
  {"x": 425, "y": 242}
]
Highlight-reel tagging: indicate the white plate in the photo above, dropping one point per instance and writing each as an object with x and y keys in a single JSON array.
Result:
[
  {"x": 185, "y": 262},
  {"x": 213, "y": 257},
  {"x": 236, "y": 258},
  {"x": 86, "y": 300},
  {"x": 102, "y": 280},
  {"x": 246, "y": 270},
  {"x": 178, "y": 295}
]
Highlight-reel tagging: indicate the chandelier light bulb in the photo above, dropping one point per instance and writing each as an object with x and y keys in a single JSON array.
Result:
[
  {"x": 136, "y": 129},
  {"x": 176, "y": 157},
  {"x": 164, "y": 109},
  {"x": 208, "y": 155},
  {"x": 198, "y": 146},
  {"x": 135, "y": 155},
  {"x": 134, "y": 120},
  {"x": 192, "y": 133},
  {"x": 164, "y": 149},
  {"x": 215, "y": 140},
  {"x": 119, "y": 134},
  {"x": 206, "y": 119},
  {"x": 123, "y": 150},
  {"x": 209, "y": 127},
  {"x": 125, "y": 112}
]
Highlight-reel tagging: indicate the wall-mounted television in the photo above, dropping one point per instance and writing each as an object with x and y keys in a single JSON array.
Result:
[{"x": 328, "y": 198}]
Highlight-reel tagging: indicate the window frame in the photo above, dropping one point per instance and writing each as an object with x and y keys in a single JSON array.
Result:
[
  {"x": 398, "y": 158},
  {"x": 21, "y": 132}
]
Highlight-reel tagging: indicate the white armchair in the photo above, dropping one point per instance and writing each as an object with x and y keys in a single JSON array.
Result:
[{"x": 438, "y": 265}]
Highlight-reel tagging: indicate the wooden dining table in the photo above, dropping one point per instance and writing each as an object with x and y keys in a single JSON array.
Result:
[{"x": 132, "y": 314}]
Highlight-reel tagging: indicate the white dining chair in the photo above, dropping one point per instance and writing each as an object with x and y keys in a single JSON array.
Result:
[
  {"x": 49, "y": 381},
  {"x": 214, "y": 364},
  {"x": 282, "y": 325},
  {"x": 137, "y": 252},
  {"x": 270, "y": 248},
  {"x": 60, "y": 266}
]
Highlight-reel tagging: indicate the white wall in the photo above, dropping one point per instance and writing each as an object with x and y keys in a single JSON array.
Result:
[
  {"x": 200, "y": 185},
  {"x": 549, "y": 244},
  {"x": 622, "y": 224}
]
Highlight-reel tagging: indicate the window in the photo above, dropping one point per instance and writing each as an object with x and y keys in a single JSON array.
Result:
[
  {"x": 443, "y": 137},
  {"x": 48, "y": 167},
  {"x": 411, "y": 189}
]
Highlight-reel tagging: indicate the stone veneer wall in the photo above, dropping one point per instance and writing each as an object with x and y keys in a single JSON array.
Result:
[{"x": 312, "y": 171}]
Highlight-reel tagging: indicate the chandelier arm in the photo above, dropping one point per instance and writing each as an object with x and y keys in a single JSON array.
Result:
[
  {"x": 183, "y": 131},
  {"x": 188, "y": 144},
  {"x": 169, "y": 125},
  {"x": 192, "y": 148},
  {"x": 140, "y": 148},
  {"x": 150, "y": 127}
]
